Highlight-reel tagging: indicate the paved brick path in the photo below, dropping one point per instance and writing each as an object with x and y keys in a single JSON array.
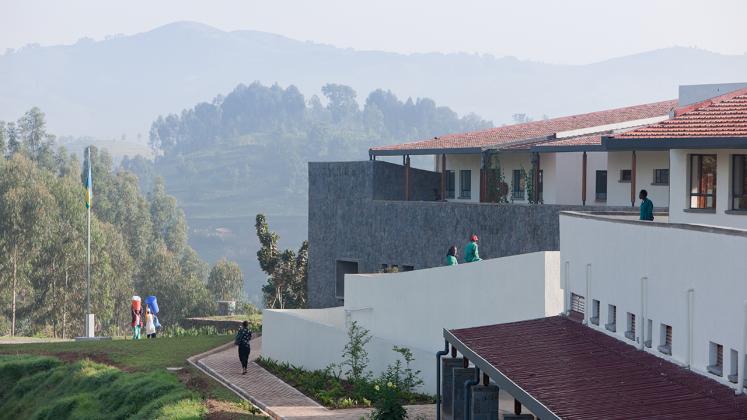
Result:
[{"x": 275, "y": 396}]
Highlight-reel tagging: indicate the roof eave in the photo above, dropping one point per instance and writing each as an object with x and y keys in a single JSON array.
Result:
[
  {"x": 648, "y": 143},
  {"x": 432, "y": 151},
  {"x": 563, "y": 149}
]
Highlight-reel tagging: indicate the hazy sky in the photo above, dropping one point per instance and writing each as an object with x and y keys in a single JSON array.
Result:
[{"x": 567, "y": 31}]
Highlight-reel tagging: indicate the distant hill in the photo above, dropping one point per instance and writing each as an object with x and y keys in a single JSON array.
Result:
[{"x": 120, "y": 85}]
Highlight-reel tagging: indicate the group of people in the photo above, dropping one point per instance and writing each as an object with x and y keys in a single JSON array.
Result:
[
  {"x": 471, "y": 252},
  {"x": 144, "y": 318}
]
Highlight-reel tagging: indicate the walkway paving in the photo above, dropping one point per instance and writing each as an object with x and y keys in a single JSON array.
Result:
[{"x": 274, "y": 396}]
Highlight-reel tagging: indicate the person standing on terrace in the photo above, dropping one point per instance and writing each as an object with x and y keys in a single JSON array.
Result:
[
  {"x": 451, "y": 256},
  {"x": 471, "y": 253},
  {"x": 647, "y": 206}
]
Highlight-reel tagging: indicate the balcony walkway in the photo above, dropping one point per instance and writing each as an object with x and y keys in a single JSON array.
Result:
[{"x": 272, "y": 395}]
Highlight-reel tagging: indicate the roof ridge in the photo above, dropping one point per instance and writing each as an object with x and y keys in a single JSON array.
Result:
[{"x": 710, "y": 101}]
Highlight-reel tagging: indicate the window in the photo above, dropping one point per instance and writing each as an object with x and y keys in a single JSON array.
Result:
[
  {"x": 408, "y": 268},
  {"x": 733, "y": 366},
  {"x": 450, "y": 184},
  {"x": 517, "y": 185},
  {"x": 539, "y": 186},
  {"x": 577, "y": 303},
  {"x": 649, "y": 327},
  {"x": 739, "y": 182},
  {"x": 702, "y": 181},
  {"x": 594, "y": 312},
  {"x": 601, "y": 187},
  {"x": 625, "y": 175},
  {"x": 661, "y": 177},
  {"x": 611, "y": 324},
  {"x": 716, "y": 358},
  {"x": 465, "y": 184},
  {"x": 665, "y": 338},
  {"x": 630, "y": 332},
  {"x": 344, "y": 267}
]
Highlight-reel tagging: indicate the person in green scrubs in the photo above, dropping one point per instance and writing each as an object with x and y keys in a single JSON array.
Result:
[
  {"x": 471, "y": 253},
  {"x": 647, "y": 206},
  {"x": 451, "y": 256}
]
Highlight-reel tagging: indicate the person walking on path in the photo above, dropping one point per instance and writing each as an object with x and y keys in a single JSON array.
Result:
[
  {"x": 471, "y": 253},
  {"x": 451, "y": 256},
  {"x": 243, "y": 337},
  {"x": 150, "y": 325},
  {"x": 135, "y": 324},
  {"x": 647, "y": 206}
]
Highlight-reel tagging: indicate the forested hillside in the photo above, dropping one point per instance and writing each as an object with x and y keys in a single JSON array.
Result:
[
  {"x": 138, "y": 243},
  {"x": 247, "y": 152}
]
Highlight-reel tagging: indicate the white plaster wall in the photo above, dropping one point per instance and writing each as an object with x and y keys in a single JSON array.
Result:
[
  {"x": 568, "y": 180},
  {"x": 412, "y": 308},
  {"x": 465, "y": 162},
  {"x": 550, "y": 182},
  {"x": 680, "y": 187},
  {"x": 618, "y": 193},
  {"x": 297, "y": 337},
  {"x": 674, "y": 260}
]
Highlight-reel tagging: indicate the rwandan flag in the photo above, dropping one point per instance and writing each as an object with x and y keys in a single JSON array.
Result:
[{"x": 89, "y": 183}]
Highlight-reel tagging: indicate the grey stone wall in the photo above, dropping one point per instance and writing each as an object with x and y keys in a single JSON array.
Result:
[{"x": 346, "y": 223}]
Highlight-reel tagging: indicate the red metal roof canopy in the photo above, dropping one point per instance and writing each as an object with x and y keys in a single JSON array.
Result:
[{"x": 579, "y": 373}]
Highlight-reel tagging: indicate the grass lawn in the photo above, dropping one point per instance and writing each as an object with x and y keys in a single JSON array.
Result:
[
  {"x": 151, "y": 356},
  {"x": 239, "y": 317}
]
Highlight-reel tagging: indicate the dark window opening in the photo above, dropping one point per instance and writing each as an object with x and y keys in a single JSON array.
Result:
[
  {"x": 465, "y": 184},
  {"x": 716, "y": 359},
  {"x": 739, "y": 182},
  {"x": 665, "y": 338},
  {"x": 601, "y": 186},
  {"x": 611, "y": 324},
  {"x": 407, "y": 268},
  {"x": 517, "y": 185},
  {"x": 703, "y": 181},
  {"x": 343, "y": 267},
  {"x": 625, "y": 175},
  {"x": 661, "y": 176},
  {"x": 450, "y": 184}
]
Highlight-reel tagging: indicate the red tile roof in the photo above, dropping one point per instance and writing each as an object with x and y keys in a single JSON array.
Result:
[
  {"x": 579, "y": 373},
  {"x": 533, "y": 130},
  {"x": 723, "y": 116}
]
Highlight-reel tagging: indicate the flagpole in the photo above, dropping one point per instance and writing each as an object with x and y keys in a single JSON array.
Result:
[{"x": 88, "y": 255}]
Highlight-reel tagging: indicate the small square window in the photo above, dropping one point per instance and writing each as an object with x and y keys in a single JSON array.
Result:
[
  {"x": 611, "y": 324},
  {"x": 665, "y": 338},
  {"x": 625, "y": 175},
  {"x": 716, "y": 359},
  {"x": 661, "y": 177},
  {"x": 630, "y": 332},
  {"x": 594, "y": 312}
]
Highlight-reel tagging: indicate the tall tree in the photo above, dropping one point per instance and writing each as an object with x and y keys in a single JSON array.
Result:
[
  {"x": 14, "y": 145},
  {"x": 286, "y": 270},
  {"x": 2, "y": 139},
  {"x": 225, "y": 281},
  {"x": 342, "y": 103}
]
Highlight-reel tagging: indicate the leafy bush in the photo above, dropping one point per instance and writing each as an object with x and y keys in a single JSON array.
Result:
[
  {"x": 355, "y": 355},
  {"x": 178, "y": 331}
]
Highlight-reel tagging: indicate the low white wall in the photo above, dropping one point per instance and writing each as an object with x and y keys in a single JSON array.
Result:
[
  {"x": 680, "y": 184},
  {"x": 674, "y": 260},
  {"x": 291, "y": 336},
  {"x": 412, "y": 308}
]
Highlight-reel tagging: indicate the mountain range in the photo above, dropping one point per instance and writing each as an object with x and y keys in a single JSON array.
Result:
[{"x": 119, "y": 85}]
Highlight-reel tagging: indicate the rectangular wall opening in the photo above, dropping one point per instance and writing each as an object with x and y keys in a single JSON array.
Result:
[
  {"x": 715, "y": 358},
  {"x": 665, "y": 338},
  {"x": 578, "y": 304},
  {"x": 594, "y": 312},
  {"x": 630, "y": 331},
  {"x": 343, "y": 267},
  {"x": 611, "y": 324}
]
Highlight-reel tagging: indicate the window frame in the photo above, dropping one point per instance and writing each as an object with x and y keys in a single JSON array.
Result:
[
  {"x": 659, "y": 181},
  {"x": 597, "y": 185},
  {"x": 450, "y": 184},
  {"x": 465, "y": 174},
  {"x": 743, "y": 194},
  {"x": 517, "y": 194},
  {"x": 705, "y": 196},
  {"x": 622, "y": 178}
]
